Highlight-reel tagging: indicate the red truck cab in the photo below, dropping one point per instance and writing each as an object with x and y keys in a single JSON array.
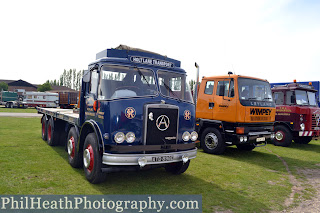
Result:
[{"x": 297, "y": 114}]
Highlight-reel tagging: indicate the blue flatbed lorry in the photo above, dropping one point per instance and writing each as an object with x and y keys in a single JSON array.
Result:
[{"x": 136, "y": 112}]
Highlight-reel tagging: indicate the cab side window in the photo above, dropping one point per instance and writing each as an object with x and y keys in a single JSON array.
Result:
[
  {"x": 94, "y": 82},
  {"x": 278, "y": 98},
  {"x": 225, "y": 88},
  {"x": 209, "y": 88}
]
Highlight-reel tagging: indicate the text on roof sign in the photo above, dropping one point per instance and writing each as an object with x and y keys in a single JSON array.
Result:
[{"x": 151, "y": 61}]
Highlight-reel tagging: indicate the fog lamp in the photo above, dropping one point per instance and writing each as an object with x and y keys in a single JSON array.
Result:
[
  {"x": 245, "y": 139},
  {"x": 272, "y": 136},
  {"x": 241, "y": 139},
  {"x": 185, "y": 158},
  {"x": 142, "y": 161}
]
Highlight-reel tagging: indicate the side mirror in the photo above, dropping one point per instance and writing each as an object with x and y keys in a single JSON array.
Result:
[
  {"x": 221, "y": 90},
  {"x": 86, "y": 76}
]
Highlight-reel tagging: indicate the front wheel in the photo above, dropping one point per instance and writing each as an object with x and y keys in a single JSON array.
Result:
[
  {"x": 177, "y": 167},
  {"x": 283, "y": 136},
  {"x": 212, "y": 141},
  {"x": 92, "y": 160}
]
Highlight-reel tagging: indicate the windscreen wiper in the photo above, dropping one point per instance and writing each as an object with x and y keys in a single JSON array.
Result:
[
  {"x": 170, "y": 90},
  {"x": 143, "y": 76}
]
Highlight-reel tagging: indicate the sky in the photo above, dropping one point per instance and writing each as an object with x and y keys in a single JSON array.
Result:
[{"x": 277, "y": 40}]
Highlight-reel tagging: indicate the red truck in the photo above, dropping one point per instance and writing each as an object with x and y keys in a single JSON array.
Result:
[{"x": 297, "y": 114}]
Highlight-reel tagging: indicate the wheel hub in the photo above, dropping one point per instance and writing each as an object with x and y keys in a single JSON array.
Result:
[
  {"x": 88, "y": 158},
  {"x": 279, "y": 136},
  {"x": 211, "y": 141},
  {"x": 71, "y": 146}
]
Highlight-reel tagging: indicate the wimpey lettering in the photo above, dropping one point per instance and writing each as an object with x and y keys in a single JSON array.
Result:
[
  {"x": 151, "y": 61},
  {"x": 257, "y": 111}
]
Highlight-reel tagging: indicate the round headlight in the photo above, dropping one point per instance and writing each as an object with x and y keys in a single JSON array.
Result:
[
  {"x": 130, "y": 137},
  {"x": 245, "y": 139},
  {"x": 186, "y": 136},
  {"x": 302, "y": 126},
  {"x": 194, "y": 136},
  {"x": 119, "y": 137},
  {"x": 241, "y": 139}
]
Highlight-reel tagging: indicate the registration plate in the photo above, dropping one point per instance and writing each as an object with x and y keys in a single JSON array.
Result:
[
  {"x": 162, "y": 158},
  {"x": 261, "y": 139}
]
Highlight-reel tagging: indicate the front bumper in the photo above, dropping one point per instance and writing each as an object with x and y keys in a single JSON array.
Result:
[
  {"x": 253, "y": 138},
  {"x": 132, "y": 159}
]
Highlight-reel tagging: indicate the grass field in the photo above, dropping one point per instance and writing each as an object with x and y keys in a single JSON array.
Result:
[
  {"x": 17, "y": 110},
  {"x": 239, "y": 181}
]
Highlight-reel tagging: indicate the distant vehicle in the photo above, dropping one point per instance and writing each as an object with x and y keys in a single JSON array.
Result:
[
  {"x": 68, "y": 100},
  {"x": 315, "y": 84},
  {"x": 297, "y": 114},
  {"x": 41, "y": 99},
  {"x": 11, "y": 100}
]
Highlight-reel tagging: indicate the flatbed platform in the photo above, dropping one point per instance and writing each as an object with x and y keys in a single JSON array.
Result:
[{"x": 69, "y": 115}]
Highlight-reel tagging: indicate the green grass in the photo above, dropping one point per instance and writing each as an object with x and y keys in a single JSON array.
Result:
[
  {"x": 18, "y": 110},
  {"x": 239, "y": 181}
]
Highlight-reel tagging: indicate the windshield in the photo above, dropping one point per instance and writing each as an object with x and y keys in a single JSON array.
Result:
[
  {"x": 252, "y": 89},
  {"x": 174, "y": 85},
  {"x": 305, "y": 98},
  {"x": 122, "y": 82}
]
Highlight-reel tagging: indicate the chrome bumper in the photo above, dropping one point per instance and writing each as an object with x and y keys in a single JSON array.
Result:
[{"x": 132, "y": 159}]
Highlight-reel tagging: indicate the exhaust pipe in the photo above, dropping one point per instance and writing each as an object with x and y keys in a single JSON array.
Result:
[{"x": 197, "y": 83}]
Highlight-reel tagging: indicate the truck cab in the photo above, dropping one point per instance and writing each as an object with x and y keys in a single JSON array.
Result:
[
  {"x": 234, "y": 110},
  {"x": 136, "y": 112},
  {"x": 297, "y": 114}
]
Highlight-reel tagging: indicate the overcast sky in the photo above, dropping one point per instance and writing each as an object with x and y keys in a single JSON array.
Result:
[{"x": 274, "y": 40}]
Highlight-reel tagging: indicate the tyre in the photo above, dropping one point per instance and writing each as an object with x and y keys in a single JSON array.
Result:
[
  {"x": 303, "y": 140},
  {"x": 44, "y": 128},
  {"x": 246, "y": 147},
  {"x": 177, "y": 168},
  {"x": 7, "y": 105},
  {"x": 212, "y": 141},
  {"x": 75, "y": 157},
  {"x": 52, "y": 133},
  {"x": 92, "y": 160},
  {"x": 283, "y": 136}
]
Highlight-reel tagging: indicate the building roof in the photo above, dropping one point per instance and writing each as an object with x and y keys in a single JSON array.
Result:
[
  {"x": 61, "y": 89},
  {"x": 21, "y": 83},
  {"x": 6, "y": 81}
]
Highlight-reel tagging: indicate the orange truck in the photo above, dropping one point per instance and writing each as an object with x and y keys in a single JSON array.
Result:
[{"x": 234, "y": 110}]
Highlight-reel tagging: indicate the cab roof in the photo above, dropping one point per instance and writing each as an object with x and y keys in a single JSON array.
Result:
[
  {"x": 231, "y": 76},
  {"x": 294, "y": 86}
]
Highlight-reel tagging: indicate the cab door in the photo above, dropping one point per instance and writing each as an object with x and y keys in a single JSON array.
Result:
[
  {"x": 91, "y": 96},
  {"x": 205, "y": 103},
  {"x": 225, "y": 101}
]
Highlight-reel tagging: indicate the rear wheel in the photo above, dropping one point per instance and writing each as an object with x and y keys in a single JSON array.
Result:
[
  {"x": 52, "y": 133},
  {"x": 44, "y": 128},
  {"x": 303, "y": 140},
  {"x": 212, "y": 141},
  {"x": 75, "y": 156},
  {"x": 177, "y": 167},
  {"x": 92, "y": 160},
  {"x": 283, "y": 136},
  {"x": 246, "y": 147}
]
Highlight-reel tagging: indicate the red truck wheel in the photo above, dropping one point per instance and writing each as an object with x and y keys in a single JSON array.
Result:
[
  {"x": 52, "y": 133},
  {"x": 177, "y": 167},
  {"x": 92, "y": 160},
  {"x": 44, "y": 128},
  {"x": 283, "y": 136},
  {"x": 75, "y": 157}
]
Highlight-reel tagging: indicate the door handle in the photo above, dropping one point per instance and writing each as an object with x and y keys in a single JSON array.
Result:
[{"x": 211, "y": 105}]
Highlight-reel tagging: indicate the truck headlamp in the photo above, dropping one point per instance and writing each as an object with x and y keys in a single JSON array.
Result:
[
  {"x": 130, "y": 137},
  {"x": 186, "y": 136},
  {"x": 194, "y": 136},
  {"x": 302, "y": 126},
  {"x": 119, "y": 137}
]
